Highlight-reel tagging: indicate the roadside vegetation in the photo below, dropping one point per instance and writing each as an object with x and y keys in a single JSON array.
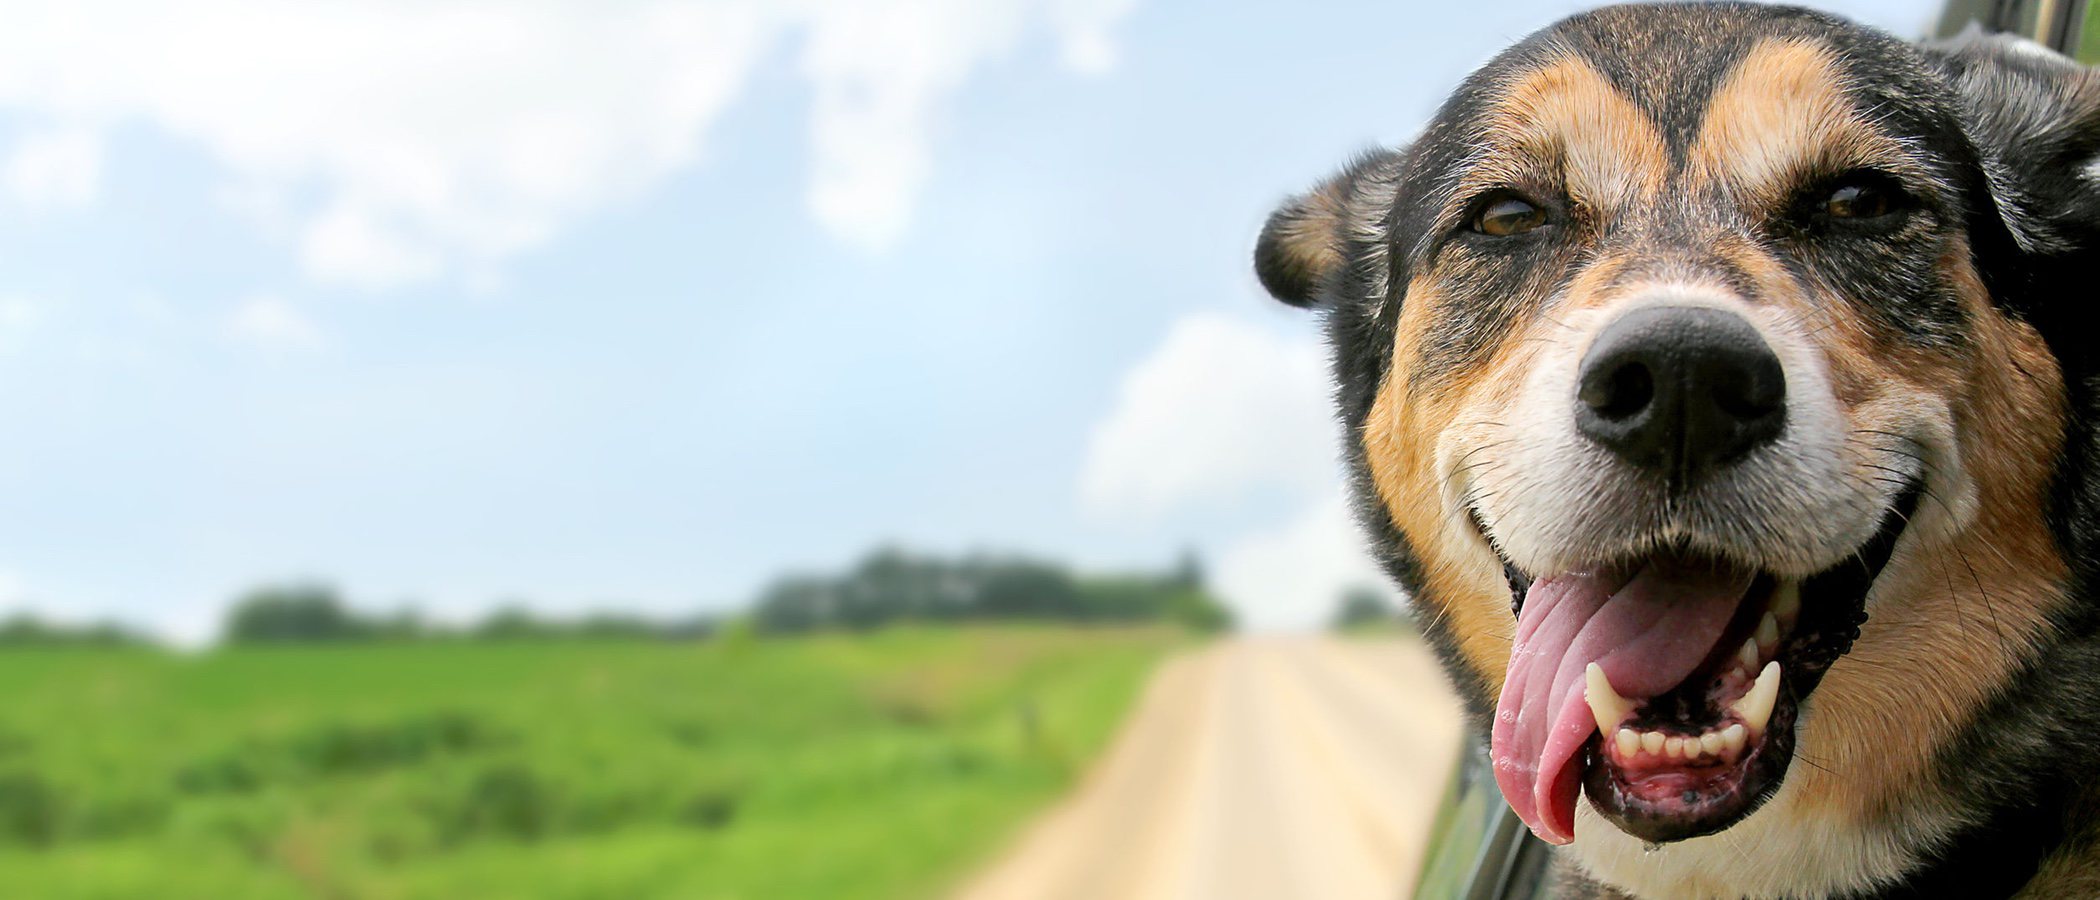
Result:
[
  {"x": 872, "y": 733},
  {"x": 1366, "y": 610},
  {"x": 868, "y": 766}
]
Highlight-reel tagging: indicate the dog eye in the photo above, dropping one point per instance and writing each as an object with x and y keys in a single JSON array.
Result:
[
  {"x": 1863, "y": 197},
  {"x": 1857, "y": 201},
  {"x": 1508, "y": 216}
]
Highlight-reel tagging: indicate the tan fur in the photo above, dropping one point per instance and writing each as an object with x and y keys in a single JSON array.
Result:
[
  {"x": 1782, "y": 114},
  {"x": 1400, "y": 441},
  {"x": 1564, "y": 124},
  {"x": 1312, "y": 236},
  {"x": 1961, "y": 611},
  {"x": 1562, "y": 120}
]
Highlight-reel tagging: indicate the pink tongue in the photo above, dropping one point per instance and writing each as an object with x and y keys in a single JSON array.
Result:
[{"x": 1648, "y": 633}]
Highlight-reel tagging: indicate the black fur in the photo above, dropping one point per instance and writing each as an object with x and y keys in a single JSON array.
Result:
[{"x": 2007, "y": 138}]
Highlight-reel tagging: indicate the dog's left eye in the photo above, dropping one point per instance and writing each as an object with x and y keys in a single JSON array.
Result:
[
  {"x": 1508, "y": 216},
  {"x": 1864, "y": 197},
  {"x": 1858, "y": 201}
]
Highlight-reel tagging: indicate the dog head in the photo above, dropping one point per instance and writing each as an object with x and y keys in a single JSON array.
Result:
[{"x": 1698, "y": 368}]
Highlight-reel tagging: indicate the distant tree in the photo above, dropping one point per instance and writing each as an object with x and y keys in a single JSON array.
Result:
[
  {"x": 796, "y": 604},
  {"x": 1188, "y": 570},
  {"x": 26, "y": 630},
  {"x": 405, "y": 625},
  {"x": 511, "y": 621},
  {"x": 613, "y": 626},
  {"x": 691, "y": 628},
  {"x": 1196, "y": 609},
  {"x": 891, "y": 585},
  {"x": 294, "y": 613},
  {"x": 1121, "y": 598},
  {"x": 1016, "y": 590},
  {"x": 1363, "y": 607}
]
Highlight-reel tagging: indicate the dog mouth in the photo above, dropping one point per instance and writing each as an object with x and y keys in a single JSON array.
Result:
[{"x": 1666, "y": 686}]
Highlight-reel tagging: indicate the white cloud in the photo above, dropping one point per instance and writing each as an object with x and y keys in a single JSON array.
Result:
[
  {"x": 400, "y": 140},
  {"x": 267, "y": 321},
  {"x": 1223, "y": 407},
  {"x": 882, "y": 72},
  {"x": 1291, "y": 576},
  {"x": 1226, "y": 410},
  {"x": 58, "y": 169}
]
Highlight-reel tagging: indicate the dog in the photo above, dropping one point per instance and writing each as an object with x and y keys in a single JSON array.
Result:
[{"x": 1717, "y": 383}]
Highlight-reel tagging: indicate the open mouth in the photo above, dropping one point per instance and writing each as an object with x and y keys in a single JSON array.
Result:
[{"x": 1666, "y": 686}]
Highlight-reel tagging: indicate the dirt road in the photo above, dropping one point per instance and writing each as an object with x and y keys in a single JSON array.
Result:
[{"x": 1269, "y": 768}]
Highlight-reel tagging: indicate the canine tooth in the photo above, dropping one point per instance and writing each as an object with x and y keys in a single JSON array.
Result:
[
  {"x": 1711, "y": 743},
  {"x": 1605, "y": 703},
  {"x": 1756, "y": 706},
  {"x": 1767, "y": 632},
  {"x": 1629, "y": 742},
  {"x": 1786, "y": 602},
  {"x": 1732, "y": 737},
  {"x": 1748, "y": 656},
  {"x": 1652, "y": 741}
]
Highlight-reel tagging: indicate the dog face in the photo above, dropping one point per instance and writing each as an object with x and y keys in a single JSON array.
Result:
[{"x": 1697, "y": 338}]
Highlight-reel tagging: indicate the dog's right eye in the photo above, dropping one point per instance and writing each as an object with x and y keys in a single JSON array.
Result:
[
  {"x": 1506, "y": 216},
  {"x": 1860, "y": 200}
]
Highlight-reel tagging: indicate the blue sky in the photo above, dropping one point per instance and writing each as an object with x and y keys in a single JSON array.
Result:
[{"x": 455, "y": 304}]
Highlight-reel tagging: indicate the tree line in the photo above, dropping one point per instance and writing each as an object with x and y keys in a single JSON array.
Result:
[
  {"x": 888, "y": 586},
  {"x": 315, "y": 613},
  {"x": 893, "y": 585},
  {"x": 885, "y": 587}
]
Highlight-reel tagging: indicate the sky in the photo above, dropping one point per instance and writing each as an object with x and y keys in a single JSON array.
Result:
[{"x": 639, "y": 306}]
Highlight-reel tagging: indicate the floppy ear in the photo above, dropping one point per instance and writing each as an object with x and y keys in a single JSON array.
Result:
[
  {"x": 2034, "y": 115},
  {"x": 1308, "y": 241}
]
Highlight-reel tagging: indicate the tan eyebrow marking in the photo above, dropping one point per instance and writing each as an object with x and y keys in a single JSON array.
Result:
[
  {"x": 1566, "y": 114},
  {"x": 1783, "y": 113}
]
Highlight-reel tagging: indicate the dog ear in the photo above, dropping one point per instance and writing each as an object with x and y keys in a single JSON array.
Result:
[
  {"x": 2034, "y": 115},
  {"x": 1308, "y": 240}
]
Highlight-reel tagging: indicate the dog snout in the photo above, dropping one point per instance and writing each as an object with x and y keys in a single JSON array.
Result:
[{"x": 1680, "y": 391}]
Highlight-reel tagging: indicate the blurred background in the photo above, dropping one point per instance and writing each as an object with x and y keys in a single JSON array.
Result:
[{"x": 717, "y": 449}]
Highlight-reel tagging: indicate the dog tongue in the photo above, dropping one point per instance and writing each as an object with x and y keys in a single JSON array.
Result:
[{"x": 1648, "y": 629}]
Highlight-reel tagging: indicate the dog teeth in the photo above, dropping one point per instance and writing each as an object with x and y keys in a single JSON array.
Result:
[
  {"x": 1748, "y": 656},
  {"x": 1723, "y": 744},
  {"x": 1786, "y": 602},
  {"x": 1605, "y": 703},
  {"x": 1767, "y": 633},
  {"x": 1733, "y": 738},
  {"x": 1755, "y": 707}
]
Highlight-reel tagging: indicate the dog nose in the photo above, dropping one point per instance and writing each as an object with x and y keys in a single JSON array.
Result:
[{"x": 1681, "y": 390}]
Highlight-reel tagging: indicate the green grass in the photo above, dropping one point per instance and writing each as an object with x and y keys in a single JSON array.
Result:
[{"x": 873, "y": 766}]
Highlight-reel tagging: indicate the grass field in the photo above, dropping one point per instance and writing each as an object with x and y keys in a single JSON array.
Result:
[{"x": 875, "y": 766}]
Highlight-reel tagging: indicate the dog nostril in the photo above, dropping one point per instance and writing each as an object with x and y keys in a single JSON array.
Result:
[
  {"x": 1680, "y": 391},
  {"x": 1745, "y": 397},
  {"x": 1624, "y": 392}
]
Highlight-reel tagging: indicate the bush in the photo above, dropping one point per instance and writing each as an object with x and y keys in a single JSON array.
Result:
[
  {"x": 24, "y": 630},
  {"x": 1363, "y": 608},
  {"x": 29, "y": 810},
  {"x": 294, "y": 613}
]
